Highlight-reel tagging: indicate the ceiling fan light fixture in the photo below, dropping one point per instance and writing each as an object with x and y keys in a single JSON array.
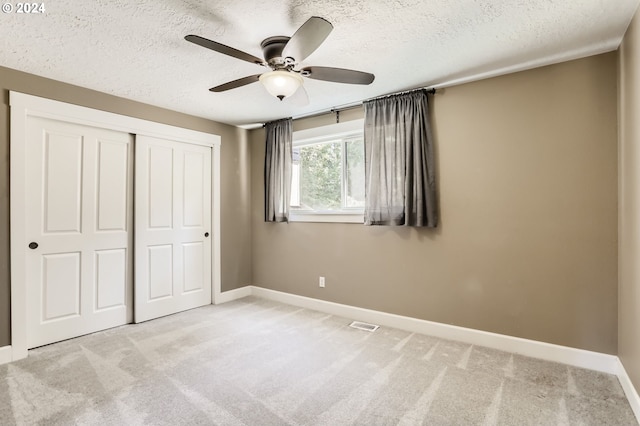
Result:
[{"x": 281, "y": 84}]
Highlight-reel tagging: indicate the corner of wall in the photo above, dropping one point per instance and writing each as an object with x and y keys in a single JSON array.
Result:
[{"x": 629, "y": 207}]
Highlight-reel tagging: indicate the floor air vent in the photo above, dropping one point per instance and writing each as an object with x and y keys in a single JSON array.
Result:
[{"x": 364, "y": 326}]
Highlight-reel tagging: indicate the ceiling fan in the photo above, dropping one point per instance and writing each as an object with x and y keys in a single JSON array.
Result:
[{"x": 282, "y": 54}]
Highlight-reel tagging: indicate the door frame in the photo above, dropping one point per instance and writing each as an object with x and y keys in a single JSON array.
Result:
[{"x": 24, "y": 106}]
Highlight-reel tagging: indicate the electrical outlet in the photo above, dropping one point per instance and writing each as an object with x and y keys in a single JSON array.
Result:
[{"x": 321, "y": 282}]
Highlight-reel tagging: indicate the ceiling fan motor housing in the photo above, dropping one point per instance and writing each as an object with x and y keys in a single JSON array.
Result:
[{"x": 272, "y": 51}]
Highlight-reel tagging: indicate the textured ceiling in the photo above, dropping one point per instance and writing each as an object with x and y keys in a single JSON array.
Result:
[{"x": 136, "y": 49}]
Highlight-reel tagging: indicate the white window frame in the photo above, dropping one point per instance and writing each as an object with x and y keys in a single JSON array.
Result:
[{"x": 318, "y": 135}]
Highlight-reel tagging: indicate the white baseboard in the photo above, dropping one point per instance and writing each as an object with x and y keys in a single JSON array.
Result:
[
  {"x": 547, "y": 351},
  {"x": 629, "y": 390},
  {"x": 231, "y": 295},
  {"x": 6, "y": 354}
]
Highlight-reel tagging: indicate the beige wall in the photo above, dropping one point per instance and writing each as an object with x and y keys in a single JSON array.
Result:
[
  {"x": 629, "y": 204},
  {"x": 235, "y": 186},
  {"x": 527, "y": 167}
]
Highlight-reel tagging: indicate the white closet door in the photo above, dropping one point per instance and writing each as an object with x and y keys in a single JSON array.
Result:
[
  {"x": 173, "y": 226},
  {"x": 78, "y": 191}
]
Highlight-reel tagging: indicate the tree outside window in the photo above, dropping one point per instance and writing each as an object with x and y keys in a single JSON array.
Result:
[{"x": 329, "y": 175}]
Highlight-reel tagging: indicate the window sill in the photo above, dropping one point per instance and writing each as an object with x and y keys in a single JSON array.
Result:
[{"x": 327, "y": 217}]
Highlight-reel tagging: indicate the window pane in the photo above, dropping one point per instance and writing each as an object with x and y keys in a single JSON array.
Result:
[
  {"x": 321, "y": 176},
  {"x": 355, "y": 173},
  {"x": 295, "y": 184}
]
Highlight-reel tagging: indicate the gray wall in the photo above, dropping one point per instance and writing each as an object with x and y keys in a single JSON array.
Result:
[
  {"x": 629, "y": 204},
  {"x": 235, "y": 185},
  {"x": 527, "y": 169}
]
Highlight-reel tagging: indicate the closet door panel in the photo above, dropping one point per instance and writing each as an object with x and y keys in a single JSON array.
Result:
[
  {"x": 111, "y": 278},
  {"x": 113, "y": 183},
  {"x": 173, "y": 226},
  {"x": 62, "y": 181},
  {"x": 78, "y": 269}
]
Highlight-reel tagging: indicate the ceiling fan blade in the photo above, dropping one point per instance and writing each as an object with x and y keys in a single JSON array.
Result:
[
  {"x": 338, "y": 75},
  {"x": 221, "y": 48},
  {"x": 299, "y": 98},
  {"x": 236, "y": 83},
  {"x": 307, "y": 39}
]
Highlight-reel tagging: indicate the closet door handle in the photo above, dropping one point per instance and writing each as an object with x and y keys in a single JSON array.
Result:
[
  {"x": 206, "y": 234},
  {"x": 33, "y": 245}
]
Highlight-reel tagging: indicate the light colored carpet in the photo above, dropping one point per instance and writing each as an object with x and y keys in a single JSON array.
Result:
[{"x": 256, "y": 362}]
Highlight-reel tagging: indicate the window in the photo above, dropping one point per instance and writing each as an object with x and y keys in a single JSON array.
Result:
[{"x": 327, "y": 177}]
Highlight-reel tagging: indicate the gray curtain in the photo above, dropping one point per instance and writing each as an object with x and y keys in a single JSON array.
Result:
[
  {"x": 277, "y": 171},
  {"x": 399, "y": 167}
]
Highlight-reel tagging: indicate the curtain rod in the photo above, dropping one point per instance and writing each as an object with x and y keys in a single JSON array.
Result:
[
  {"x": 428, "y": 90},
  {"x": 338, "y": 109}
]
